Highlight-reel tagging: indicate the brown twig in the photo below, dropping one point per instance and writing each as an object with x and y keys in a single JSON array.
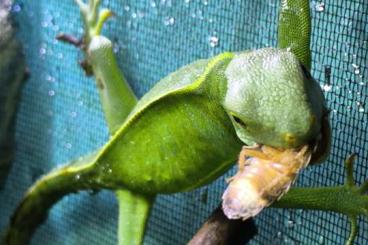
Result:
[
  {"x": 219, "y": 230},
  {"x": 70, "y": 39},
  {"x": 79, "y": 43}
]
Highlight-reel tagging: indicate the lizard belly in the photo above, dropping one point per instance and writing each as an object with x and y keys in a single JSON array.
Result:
[{"x": 179, "y": 145}]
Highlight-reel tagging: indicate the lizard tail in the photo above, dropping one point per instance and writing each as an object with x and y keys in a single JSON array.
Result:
[{"x": 51, "y": 188}]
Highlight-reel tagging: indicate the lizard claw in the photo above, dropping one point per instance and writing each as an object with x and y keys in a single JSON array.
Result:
[
  {"x": 349, "y": 165},
  {"x": 360, "y": 191},
  {"x": 93, "y": 19}
]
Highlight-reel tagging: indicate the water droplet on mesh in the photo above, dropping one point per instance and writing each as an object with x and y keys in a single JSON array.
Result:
[
  {"x": 279, "y": 234},
  {"x": 213, "y": 41},
  {"x": 327, "y": 87},
  {"x": 205, "y": 2},
  {"x": 321, "y": 240},
  {"x": 116, "y": 48},
  {"x": 68, "y": 145},
  {"x": 361, "y": 109},
  {"x": 320, "y": 7},
  {"x": 290, "y": 223},
  {"x": 51, "y": 93},
  {"x": 126, "y": 8},
  {"x": 50, "y": 78},
  {"x": 356, "y": 69},
  {"x": 73, "y": 114},
  {"x": 153, "y": 4},
  {"x": 134, "y": 15},
  {"x": 187, "y": 1},
  {"x": 42, "y": 51},
  {"x": 16, "y": 8},
  {"x": 169, "y": 21}
]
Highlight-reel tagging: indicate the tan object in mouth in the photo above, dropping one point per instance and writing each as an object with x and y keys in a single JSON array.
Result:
[{"x": 264, "y": 175}]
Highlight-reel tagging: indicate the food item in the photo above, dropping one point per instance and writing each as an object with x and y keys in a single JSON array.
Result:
[{"x": 265, "y": 174}]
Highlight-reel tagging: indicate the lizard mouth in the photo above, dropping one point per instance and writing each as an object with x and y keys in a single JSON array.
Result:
[{"x": 319, "y": 146}]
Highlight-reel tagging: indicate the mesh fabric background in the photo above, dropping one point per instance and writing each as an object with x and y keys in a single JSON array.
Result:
[{"x": 60, "y": 116}]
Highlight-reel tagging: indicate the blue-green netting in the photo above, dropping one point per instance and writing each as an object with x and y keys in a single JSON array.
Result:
[{"x": 60, "y": 116}]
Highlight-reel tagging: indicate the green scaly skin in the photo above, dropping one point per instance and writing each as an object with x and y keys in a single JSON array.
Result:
[
  {"x": 294, "y": 29},
  {"x": 195, "y": 90}
]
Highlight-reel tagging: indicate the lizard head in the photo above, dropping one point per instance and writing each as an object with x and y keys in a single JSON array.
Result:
[{"x": 273, "y": 100}]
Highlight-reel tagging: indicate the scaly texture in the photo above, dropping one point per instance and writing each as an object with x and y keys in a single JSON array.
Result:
[{"x": 295, "y": 29}]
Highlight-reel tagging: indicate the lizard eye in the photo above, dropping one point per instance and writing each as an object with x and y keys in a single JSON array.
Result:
[{"x": 239, "y": 121}]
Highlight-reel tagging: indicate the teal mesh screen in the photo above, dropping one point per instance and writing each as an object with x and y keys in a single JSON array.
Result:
[{"x": 60, "y": 117}]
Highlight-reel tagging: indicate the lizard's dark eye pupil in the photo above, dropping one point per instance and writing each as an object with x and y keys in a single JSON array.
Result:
[{"x": 239, "y": 121}]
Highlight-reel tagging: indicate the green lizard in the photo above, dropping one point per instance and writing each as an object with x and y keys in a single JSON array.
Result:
[{"x": 188, "y": 130}]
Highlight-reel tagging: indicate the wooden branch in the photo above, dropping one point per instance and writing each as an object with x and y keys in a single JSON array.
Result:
[{"x": 219, "y": 230}]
